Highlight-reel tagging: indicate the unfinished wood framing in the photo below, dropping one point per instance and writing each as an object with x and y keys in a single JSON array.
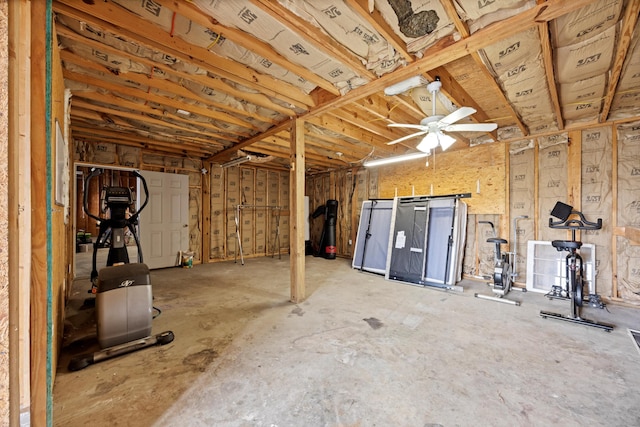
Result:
[{"x": 297, "y": 217}]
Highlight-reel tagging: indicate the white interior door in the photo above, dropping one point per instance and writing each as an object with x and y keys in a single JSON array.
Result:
[{"x": 164, "y": 222}]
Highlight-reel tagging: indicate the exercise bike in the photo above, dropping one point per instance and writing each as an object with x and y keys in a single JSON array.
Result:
[
  {"x": 570, "y": 219},
  {"x": 504, "y": 271},
  {"x": 123, "y": 298}
]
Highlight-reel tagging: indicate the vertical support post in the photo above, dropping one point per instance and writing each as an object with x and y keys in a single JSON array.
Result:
[
  {"x": 40, "y": 216},
  {"x": 205, "y": 202},
  {"x": 574, "y": 170},
  {"x": 296, "y": 207},
  {"x": 19, "y": 170}
]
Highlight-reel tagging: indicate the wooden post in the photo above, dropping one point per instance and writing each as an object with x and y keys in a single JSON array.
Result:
[
  {"x": 40, "y": 298},
  {"x": 205, "y": 200},
  {"x": 19, "y": 213},
  {"x": 296, "y": 209}
]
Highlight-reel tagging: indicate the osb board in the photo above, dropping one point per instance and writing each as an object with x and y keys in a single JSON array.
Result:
[
  {"x": 464, "y": 171},
  {"x": 469, "y": 75},
  {"x": 4, "y": 219}
]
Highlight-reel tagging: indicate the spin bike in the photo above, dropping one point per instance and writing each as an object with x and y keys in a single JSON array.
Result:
[
  {"x": 570, "y": 219},
  {"x": 123, "y": 299},
  {"x": 504, "y": 267}
]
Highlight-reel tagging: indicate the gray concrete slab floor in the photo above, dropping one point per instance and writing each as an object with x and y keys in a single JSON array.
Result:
[{"x": 359, "y": 351}]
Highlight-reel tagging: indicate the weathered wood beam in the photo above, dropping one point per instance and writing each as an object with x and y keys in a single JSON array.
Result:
[
  {"x": 547, "y": 61},
  {"x": 622, "y": 48}
]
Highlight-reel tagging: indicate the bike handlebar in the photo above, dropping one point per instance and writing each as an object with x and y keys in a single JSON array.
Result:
[{"x": 579, "y": 223}]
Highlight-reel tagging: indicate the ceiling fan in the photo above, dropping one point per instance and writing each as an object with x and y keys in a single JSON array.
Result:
[{"x": 435, "y": 126}]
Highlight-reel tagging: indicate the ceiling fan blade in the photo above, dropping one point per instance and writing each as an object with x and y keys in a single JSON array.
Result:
[
  {"x": 408, "y": 126},
  {"x": 459, "y": 114},
  {"x": 404, "y": 138},
  {"x": 471, "y": 127}
]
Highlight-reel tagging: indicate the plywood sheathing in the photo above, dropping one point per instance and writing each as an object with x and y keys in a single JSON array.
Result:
[
  {"x": 465, "y": 171},
  {"x": 5, "y": 316}
]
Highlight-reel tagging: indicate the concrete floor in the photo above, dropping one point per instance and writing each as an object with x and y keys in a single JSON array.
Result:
[{"x": 360, "y": 351}]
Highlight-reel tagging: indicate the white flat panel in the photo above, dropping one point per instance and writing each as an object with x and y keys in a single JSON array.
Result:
[
  {"x": 546, "y": 266},
  {"x": 162, "y": 224},
  {"x": 155, "y": 208},
  {"x": 176, "y": 209},
  {"x": 156, "y": 244}
]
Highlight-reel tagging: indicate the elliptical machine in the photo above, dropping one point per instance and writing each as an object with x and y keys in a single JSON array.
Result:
[
  {"x": 123, "y": 298},
  {"x": 573, "y": 220}
]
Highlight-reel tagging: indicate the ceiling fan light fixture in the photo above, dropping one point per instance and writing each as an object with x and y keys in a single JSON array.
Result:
[
  {"x": 446, "y": 141},
  {"x": 428, "y": 143}
]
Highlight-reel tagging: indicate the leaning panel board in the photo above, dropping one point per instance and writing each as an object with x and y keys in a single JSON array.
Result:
[
  {"x": 372, "y": 241},
  {"x": 426, "y": 242}
]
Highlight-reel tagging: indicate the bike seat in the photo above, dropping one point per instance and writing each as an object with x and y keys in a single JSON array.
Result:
[
  {"x": 496, "y": 240},
  {"x": 566, "y": 245}
]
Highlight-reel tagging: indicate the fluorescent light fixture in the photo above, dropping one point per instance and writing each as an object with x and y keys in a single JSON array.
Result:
[
  {"x": 237, "y": 161},
  {"x": 433, "y": 139},
  {"x": 183, "y": 112},
  {"x": 403, "y": 158},
  {"x": 405, "y": 85}
]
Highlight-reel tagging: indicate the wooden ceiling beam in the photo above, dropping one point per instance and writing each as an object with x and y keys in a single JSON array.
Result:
[
  {"x": 348, "y": 115},
  {"x": 143, "y": 109},
  {"x": 339, "y": 126},
  {"x": 547, "y": 61},
  {"x": 102, "y": 14},
  {"x": 629, "y": 23},
  {"x": 205, "y": 80},
  {"x": 108, "y": 133},
  {"x": 155, "y": 148},
  {"x": 314, "y": 36},
  {"x": 380, "y": 25},
  {"x": 161, "y": 100},
  {"x": 487, "y": 36},
  {"x": 456, "y": 93},
  {"x": 245, "y": 40}
]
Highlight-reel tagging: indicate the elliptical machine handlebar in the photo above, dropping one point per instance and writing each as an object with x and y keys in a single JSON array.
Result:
[
  {"x": 85, "y": 202},
  {"x": 98, "y": 171},
  {"x": 134, "y": 217}
]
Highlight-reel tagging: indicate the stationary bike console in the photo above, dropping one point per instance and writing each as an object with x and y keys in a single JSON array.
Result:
[{"x": 573, "y": 220}]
